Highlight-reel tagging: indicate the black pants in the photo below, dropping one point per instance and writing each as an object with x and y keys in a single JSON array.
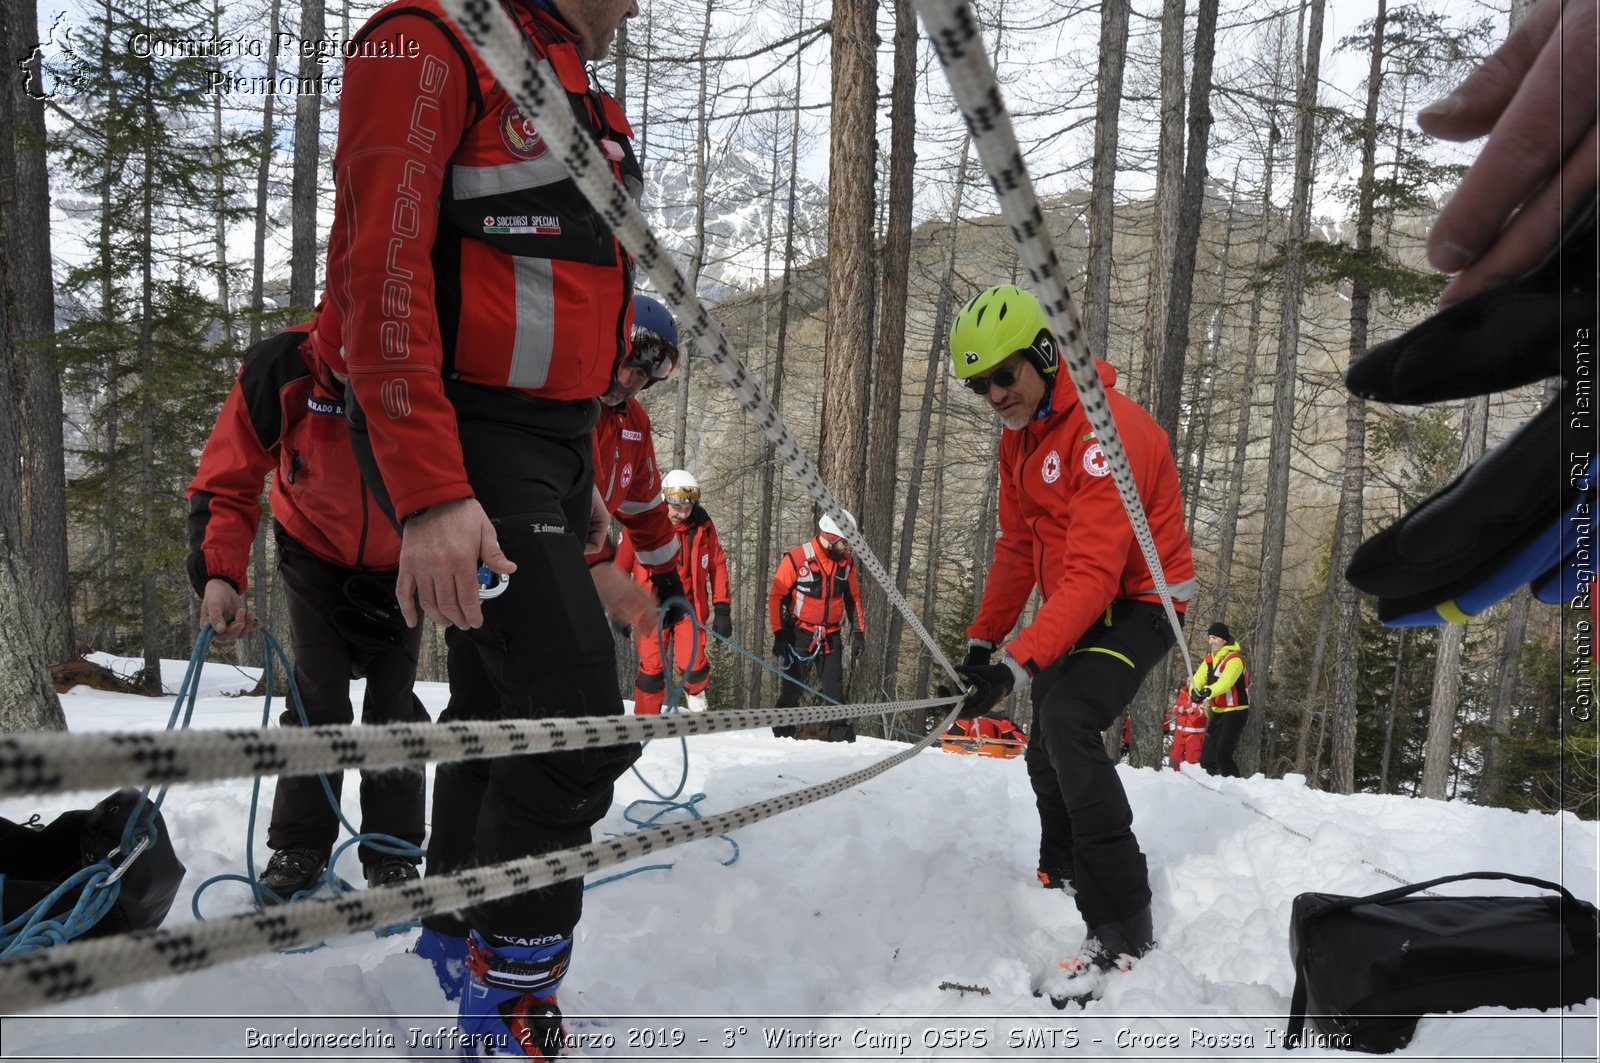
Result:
[
  {"x": 321, "y": 633},
  {"x": 826, "y": 672},
  {"x": 1222, "y": 738},
  {"x": 1085, "y": 822},
  {"x": 544, "y": 650}
]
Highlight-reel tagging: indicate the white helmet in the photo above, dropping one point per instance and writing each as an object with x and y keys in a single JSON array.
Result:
[
  {"x": 830, "y": 526},
  {"x": 679, "y": 486}
]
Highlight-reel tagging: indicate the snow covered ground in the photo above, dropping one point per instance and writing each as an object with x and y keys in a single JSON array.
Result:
[{"x": 843, "y": 928}]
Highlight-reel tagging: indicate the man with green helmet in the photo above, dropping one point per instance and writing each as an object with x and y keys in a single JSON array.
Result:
[{"x": 1101, "y": 626}]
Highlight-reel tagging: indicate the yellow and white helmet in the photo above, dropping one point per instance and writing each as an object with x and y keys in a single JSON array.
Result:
[{"x": 678, "y": 486}]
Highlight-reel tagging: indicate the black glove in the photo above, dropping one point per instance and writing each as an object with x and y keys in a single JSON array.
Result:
[
  {"x": 1200, "y": 695},
  {"x": 1499, "y": 524},
  {"x": 671, "y": 596},
  {"x": 782, "y": 639},
  {"x": 987, "y": 684},
  {"x": 858, "y": 642},
  {"x": 979, "y": 652},
  {"x": 721, "y": 622}
]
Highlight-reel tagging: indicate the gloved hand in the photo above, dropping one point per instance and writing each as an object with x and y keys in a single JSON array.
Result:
[
  {"x": 721, "y": 622},
  {"x": 979, "y": 652},
  {"x": 1507, "y": 520},
  {"x": 987, "y": 685},
  {"x": 671, "y": 596},
  {"x": 858, "y": 642},
  {"x": 782, "y": 640},
  {"x": 1197, "y": 696}
]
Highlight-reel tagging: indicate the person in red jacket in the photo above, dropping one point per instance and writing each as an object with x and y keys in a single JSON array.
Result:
[
  {"x": 813, "y": 591},
  {"x": 1101, "y": 627},
  {"x": 703, "y": 568},
  {"x": 627, "y": 476},
  {"x": 1188, "y": 729},
  {"x": 336, "y": 557},
  {"x": 482, "y": 306}
]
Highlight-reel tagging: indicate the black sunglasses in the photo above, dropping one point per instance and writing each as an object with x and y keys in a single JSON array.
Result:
[{"x": 1000, "y": 378}]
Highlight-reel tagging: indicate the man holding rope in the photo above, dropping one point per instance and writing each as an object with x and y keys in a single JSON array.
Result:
[
  {"x": 1101, "y": 628},
  {"x": 481, "y": 306}
]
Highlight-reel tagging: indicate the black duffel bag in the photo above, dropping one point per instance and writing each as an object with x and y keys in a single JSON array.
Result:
[
  {"x": 34, "y": 861},
  {"x": 1367, "y": 968}
]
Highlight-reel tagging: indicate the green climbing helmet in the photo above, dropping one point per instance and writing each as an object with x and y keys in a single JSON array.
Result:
[{"x": 998, "y": 323}]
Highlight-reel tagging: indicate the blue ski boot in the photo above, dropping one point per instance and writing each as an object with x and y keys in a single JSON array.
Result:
[{"x": 508, "y": 1003}]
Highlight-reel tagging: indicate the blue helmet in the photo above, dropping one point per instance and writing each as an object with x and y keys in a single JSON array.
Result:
[{"x": 655, "y": 340}]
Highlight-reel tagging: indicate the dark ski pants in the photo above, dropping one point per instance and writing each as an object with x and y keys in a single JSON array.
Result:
[
  {"x": 544, "y": 650},
  {"x": 320, "y": 630},
  {"x": 1222, "y": 738},
  {"x": 1085, "y": 822},
  {"x": 826, "y": 672}
]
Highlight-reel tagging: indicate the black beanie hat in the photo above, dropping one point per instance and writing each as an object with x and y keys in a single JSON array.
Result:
[{"x": 1220, "y": 630}]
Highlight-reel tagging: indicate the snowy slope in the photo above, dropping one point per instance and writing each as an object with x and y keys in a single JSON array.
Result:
[{"x": 857, "y": 910}]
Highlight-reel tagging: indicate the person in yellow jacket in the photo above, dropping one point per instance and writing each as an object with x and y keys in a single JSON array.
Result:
[{"x": 1222, "y": 684}]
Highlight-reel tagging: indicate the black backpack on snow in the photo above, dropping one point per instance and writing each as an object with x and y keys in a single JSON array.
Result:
[{"x": 1367, "y": 968}]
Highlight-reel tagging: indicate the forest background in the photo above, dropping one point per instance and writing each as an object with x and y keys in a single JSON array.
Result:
[{"x": 1240, "y": 192}]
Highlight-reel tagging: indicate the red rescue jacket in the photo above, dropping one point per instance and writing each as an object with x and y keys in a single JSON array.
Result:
[
  {"x": 285, "y": 413},
  {"x": 702, "y": 565},
  {"x": 460, "y": 249},
  {"x": 1063, "y": 529},
  {"x": 815, "y": 590},
  {"x": 629, "y": 481}
]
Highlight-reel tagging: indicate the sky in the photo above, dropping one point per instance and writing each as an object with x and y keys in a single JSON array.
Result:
[{"x": 855, "y": 918}]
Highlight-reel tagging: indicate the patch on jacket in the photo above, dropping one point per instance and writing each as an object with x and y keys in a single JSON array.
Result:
[
  {"x": 628, "y": 433},
  {"x": 1094, "y": 461},
  {"x": 627, "y": 474},
  {"x": 518, "y": 134},
  {"x": 1051, "y": 469}
]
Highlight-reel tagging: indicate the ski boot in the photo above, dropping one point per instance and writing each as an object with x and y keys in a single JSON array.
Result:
[
  {"x": 1110, "y": 949},
  {"x": 508, "y": 1002}
]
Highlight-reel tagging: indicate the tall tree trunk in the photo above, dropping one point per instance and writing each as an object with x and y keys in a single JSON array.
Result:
[
  {"x": 28, "y": 701},
  {"x": 1194, "y": 462},
  {"x": 1278, "y": 462},
  {"x": 1307, "y": 748},
  {"x": 851, "y": 154},
  {"x": 220, "y": 191},
  {"x": 930, "y": 564},
  {"x": 1102, "y": 190},
  {"x": 770, "y": 476},
  {"x": 31, "y": 324},
  {"x": 877, "y": 507},
  {"x": 1191, "y": 202},
  {"x": 149, "y": 609},
  {"x": 1394, "y": 707},
  {"x": 702, "y": 169},
  {"x": 1510, "y": 674},
  {"x": 304, "y": 263},
  {"x": 1446, "y": 701},
  {"x": 1355, "y": 439},
  {"x": 1241, "y": 434},
  {"x": 1169, "y": 176}
]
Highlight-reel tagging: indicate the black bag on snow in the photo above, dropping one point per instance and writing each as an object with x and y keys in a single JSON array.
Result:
[
  {"x": 35, "y": 860},
  {"x": 1367, "y": 968}
]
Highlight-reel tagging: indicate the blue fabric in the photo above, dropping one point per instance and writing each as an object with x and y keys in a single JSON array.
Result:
[{"x": 448, "y": 955}]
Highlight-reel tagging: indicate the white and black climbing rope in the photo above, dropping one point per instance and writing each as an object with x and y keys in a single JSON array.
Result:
[
  {"x": 58, "y": 763},
  {"x": 81, "y": 968}
]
